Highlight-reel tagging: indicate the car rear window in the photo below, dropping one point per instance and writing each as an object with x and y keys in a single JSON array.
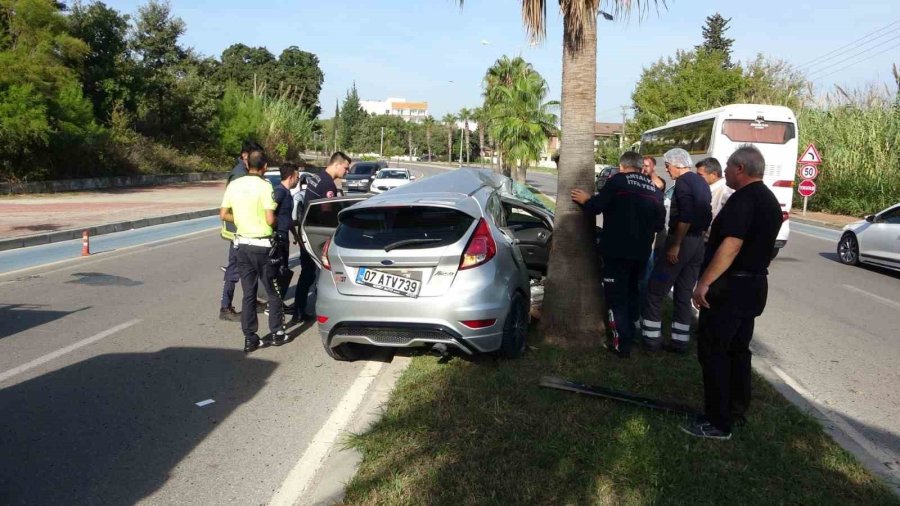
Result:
[
  {"x": 375, "y": 228},
  {"x": 364, "y": 169},
  {"x": 766, "y": 132}
]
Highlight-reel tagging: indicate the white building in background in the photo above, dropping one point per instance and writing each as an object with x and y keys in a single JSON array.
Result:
[{"x": 409, "y": 111}]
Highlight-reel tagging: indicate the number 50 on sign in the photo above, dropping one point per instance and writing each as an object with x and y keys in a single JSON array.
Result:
[{"x": 809, "y": 172}]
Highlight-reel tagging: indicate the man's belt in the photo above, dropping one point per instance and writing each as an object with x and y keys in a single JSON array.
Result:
[{"x": 265, "y": 242}]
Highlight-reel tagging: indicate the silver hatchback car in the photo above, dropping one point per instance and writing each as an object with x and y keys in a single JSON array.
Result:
[{"x": 446, "y": 261}]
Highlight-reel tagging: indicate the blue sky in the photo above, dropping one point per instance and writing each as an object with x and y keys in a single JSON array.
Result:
[{"x": 415, "y": 48}]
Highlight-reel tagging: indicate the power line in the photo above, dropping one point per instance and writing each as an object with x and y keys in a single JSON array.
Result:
[
  {"x": 819, "y": 70},
  {"x": 850, "y": 45},
  {"x": 858, "y": 61}
]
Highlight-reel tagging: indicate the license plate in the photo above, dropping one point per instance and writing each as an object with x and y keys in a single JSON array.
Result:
[{"x": 389, "y": 282}]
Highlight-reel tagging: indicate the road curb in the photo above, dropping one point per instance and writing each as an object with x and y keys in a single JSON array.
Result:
[
  {"x": 817, "y": 223},
  {"x": 109, "y": 228},
  {"x": 342, "y": 463}
]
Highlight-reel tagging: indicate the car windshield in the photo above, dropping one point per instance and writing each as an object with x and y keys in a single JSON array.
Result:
[
  {"x": 393, "y": 174},
  {"x": 275, "y": 178},
  {"x": 522, "y": 193},
  {"x": 363, "y": 169}
]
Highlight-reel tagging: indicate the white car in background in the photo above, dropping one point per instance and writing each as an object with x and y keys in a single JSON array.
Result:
[
  {"x": 387, "y": 179},
  {"x": 875, "y": 240}
]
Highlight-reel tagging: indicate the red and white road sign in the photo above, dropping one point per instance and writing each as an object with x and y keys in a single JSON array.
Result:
[
  {"x": 810, "y": 156},
  {"x": 809, "y": 172},
  {"x": 807, "y": 188}
]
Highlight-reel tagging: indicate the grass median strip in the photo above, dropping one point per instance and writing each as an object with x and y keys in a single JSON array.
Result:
[{"x": 483, "y": 431}]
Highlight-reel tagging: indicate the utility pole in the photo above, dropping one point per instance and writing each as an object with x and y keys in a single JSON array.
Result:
[{"x": 622, "y": 136}]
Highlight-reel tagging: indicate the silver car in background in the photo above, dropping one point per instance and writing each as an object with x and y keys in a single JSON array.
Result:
[
  {"x": 875, "y": 240},
  {"x": 443, "y": 262}
]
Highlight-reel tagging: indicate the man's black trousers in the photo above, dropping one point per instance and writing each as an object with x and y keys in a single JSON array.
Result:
[
  {"x": 254, "y": 266},
  {"x": 723, "y": 347},
  {"x": 621, "y": 277},
  {"x": 231, "y": 278},
  {"x": 308, "y": 270}
]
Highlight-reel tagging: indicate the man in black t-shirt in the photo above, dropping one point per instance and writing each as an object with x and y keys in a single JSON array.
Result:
[
  {"x": 732, "y": 292},
  {"x": 321, "y": 187},
  {"x": 678, "y": 263},
  {"x": 633, "y": 213}
]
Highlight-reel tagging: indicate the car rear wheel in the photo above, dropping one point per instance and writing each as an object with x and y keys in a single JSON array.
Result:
[
  {"x": 515, "y": 329},
  {"x": 848, "y": 249},
  {"x": 348, "y": 352}
]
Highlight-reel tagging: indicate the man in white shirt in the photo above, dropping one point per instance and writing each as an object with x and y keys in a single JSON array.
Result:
[{"x": 711, "y": 171}]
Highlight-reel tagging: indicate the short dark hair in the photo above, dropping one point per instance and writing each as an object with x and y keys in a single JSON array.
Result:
[
  {"x": 337, "y": 157},
  {"x": 710, "y": 166},
  {"x": 652, "y": 160},
  {"x": 257, "y": 160},
  {"x": 248, "y": 146},
  {"x": 287, "y": 170},
  {"x": 631, "y": 159}
]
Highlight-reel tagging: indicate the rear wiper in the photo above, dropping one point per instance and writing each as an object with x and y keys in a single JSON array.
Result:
[{"x": 409, "y": 242}]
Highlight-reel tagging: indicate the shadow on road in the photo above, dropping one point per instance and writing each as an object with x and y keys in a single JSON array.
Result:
[
  {"x": 15, "y": 318},
  {"x": 111, "y": 429},
  {"x": 869, "y": 267}
]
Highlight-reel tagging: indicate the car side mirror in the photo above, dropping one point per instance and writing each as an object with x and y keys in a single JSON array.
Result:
[{"x": 870, "y": 218}]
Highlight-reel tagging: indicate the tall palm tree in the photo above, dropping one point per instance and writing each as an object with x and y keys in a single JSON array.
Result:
[
  {"x": 449, "y": 120},
  {"x": 465, "y": 115},
  {"x": 429, "y": 123},
  {"x": 572, "y": 313},
  {"x": 478, "y": 114},
  {"x": 502, "y": 75}
]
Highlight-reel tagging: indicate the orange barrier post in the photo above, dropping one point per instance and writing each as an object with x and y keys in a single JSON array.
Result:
[{"x": 85, "y": 244}]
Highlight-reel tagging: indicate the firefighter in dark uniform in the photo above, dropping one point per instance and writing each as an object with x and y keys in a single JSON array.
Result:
[
  {"x": 249, "y": 204},
  {"x": 732, "y": 292},
  {"x": 633, "y": 212}
]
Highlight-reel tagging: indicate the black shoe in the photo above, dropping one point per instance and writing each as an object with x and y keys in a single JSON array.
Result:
[
  {"x": 295, "y": 320},
  {"x": 267, "y": 341},
  {"x": 739, "y": 421},
  {"x": 699, "y": 428},
  {"x": 678, "y": 349},
  {"x": 229, "y": 314},
  {"x": 279, "y": 338},
  {"x": 251, "y": 343}
]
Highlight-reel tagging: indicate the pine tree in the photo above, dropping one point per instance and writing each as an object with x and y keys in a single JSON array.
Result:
[
  {"x": 352, "y": 117},
  {"x": 335, "y": 124},
  {"x": 714, "y": 37}
]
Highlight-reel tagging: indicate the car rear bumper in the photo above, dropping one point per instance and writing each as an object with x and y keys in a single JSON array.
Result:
[{"x": 401, "y": 322}]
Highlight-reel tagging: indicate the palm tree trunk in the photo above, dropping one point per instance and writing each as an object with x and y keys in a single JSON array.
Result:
[
  {"x": 450, "y": 144},
  {"x": 481, "y": 141},
  {"x": 573, "y": 308},
  {"x": 468, "y": 147},
  {"x": 520, "y": 172},
  {"x": 428, "y": 141}
]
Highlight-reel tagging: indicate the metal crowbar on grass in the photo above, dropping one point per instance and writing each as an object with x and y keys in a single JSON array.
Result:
[{"x": 644, "y": 402}]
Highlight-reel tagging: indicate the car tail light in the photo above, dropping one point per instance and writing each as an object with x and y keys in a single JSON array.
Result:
[
  {"x": 478, "y": 324},
  {"x": 480, "y": 249},
  {"x": 322, "y": 319},
  {"x": 784, "y": 183},
  {"x": 325, "y": 263},
  {"x": 785, "y": 215}
]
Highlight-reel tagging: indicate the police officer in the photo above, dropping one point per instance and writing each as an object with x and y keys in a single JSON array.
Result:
[
  {"x": 226, "y": 311},
  {"x": 732, "y": 292},
  {"x": 320, "y": 186},
  {"x": 284, "y": 225},
  {"x": 679, "y": 262},
  {"x": 249, "y": 204},
  {"x": 633, "y": 212}
]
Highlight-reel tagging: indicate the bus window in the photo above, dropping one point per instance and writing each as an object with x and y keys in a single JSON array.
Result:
[{"x": 766, "y": 132}]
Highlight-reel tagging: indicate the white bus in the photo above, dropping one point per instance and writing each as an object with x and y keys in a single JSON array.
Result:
[{"x": 719, "y": 132}]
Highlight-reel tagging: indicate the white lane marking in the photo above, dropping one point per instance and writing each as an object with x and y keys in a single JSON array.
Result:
[
  {"x": 301, "y": 476},
  {"x": 890, "y": 460},
  {"x": 207, "y": 402},
  {"x": 879, "y": 298},
  {"x": 68, "y": 349}
]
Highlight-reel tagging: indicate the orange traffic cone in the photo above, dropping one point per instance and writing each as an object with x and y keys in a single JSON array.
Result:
[{"x": 85, "y": 244}]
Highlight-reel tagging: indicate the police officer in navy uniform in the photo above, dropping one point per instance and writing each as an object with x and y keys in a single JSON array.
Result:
[
  {"x": 320, "y": 186},
  {"x": 249, "y": 204},
  {"x": 284, "y": 225},
  {"x": 633, "y": 212},
  {"x": 732, "y": 292}
]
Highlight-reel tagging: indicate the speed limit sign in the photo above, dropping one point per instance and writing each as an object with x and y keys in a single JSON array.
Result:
[{"x": 809, "y": 172}]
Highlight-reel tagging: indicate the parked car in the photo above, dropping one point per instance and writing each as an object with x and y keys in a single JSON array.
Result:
[
  {"x": 445, "y": 262},
  {"x": 874, "y": 240},
  {"x": 428, "y": 158},
  {"x": 274, "y": 177},
  {"x": 388, "y": 179},
  {"x": 604, "y": 174},
  {"x": 359, "y": 177}
]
